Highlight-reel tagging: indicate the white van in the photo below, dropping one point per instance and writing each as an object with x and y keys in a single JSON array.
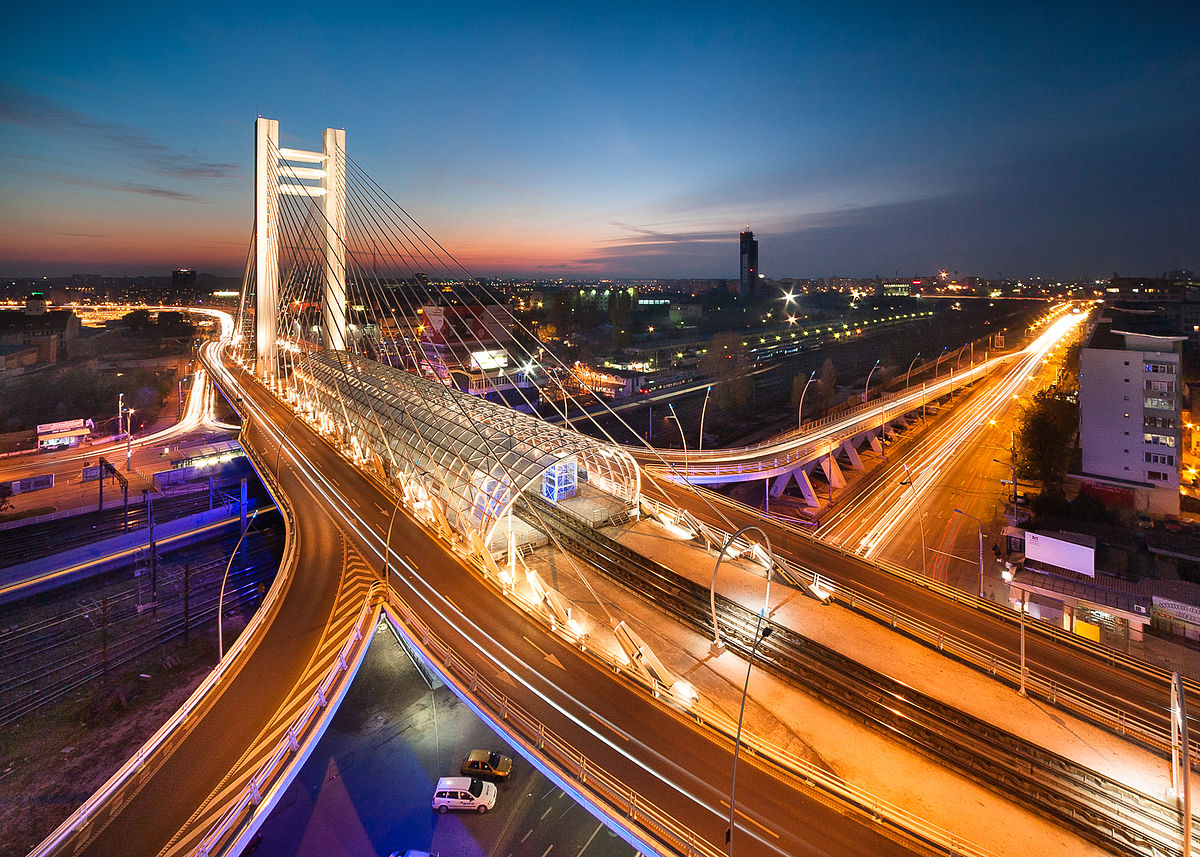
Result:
[{"x": 464, "y": 793}]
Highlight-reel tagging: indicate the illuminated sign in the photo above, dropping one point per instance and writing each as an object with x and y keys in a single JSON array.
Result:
[{"x": 489, "y": 360}]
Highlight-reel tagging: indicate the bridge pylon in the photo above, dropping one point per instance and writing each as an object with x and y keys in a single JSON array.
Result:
[{"x": 276, "y": 175}]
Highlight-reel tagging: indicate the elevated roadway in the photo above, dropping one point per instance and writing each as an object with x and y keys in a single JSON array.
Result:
[{"x": 648, "y": 745}]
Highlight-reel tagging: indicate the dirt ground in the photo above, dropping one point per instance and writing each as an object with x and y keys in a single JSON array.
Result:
[{"x": 53, "y": 760}]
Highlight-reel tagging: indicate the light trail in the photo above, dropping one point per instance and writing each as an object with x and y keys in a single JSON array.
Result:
[
  {"x": 669, "y": 772},
  {"x": 891, "y": 504}
]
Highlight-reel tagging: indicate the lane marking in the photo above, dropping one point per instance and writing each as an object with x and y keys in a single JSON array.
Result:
[
  {"x": 761, "y": 827},
  {"x": 600, "y": 719},
  {"x": 599, "y": 827}
]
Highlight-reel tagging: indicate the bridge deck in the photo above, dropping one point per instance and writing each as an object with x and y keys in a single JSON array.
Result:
[{"x": 207, "y": 766}]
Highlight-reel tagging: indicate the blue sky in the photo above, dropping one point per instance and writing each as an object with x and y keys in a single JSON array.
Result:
[{"x": 624, "y": 139}]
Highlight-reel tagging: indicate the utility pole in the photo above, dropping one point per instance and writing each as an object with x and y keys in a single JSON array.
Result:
[
  {"x": 104, "y": 637},
  {"x": 187, "y": 574}
]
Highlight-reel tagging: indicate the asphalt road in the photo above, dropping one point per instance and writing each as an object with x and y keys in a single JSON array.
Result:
[
  {"x": 366, "y": 788},
  {"x": 651, "y": 748},
  {"x": 258, "y": 687},
  {"x": 1108, "y": 684}
]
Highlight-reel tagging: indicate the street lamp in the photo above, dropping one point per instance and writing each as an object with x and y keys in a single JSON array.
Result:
[
  {"x": 717, "y": 645},
  {"x": 979, "y": 524},
  {"x": 703, "y": 408},
  {"x": 221, "y": 596},
  {"x": 737, "y": 741},
  {"x": 682, "y": 438},
  {"x": 908, "y": 376},
  {"x": 129, "y": 438},
  {"x": 938, "y": 363},
  {"x": 908, "y": 480},
  {"x": 867, "y": 385},
  {"x": 800, "y": 410}
]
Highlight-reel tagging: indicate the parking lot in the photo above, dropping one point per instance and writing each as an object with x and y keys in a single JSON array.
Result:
[{"x": 366, "y": 789}]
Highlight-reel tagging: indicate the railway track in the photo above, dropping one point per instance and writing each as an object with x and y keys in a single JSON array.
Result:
[
  {"x": 47, "y": 657},
  {"x": 1094, "y": 806}
]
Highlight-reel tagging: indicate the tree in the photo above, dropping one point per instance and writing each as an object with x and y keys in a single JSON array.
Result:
[
  {"x": 137, "y": 321},
  {"x": 1045, "y": 438},
  {"x": 827, "y": 383},
  {"x": 726, "y": 363}
]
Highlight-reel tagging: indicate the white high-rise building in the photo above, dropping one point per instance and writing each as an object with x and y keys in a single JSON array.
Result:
[{"x": 1130, "y": 417}]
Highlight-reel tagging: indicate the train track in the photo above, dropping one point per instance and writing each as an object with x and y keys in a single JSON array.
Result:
[
  {"x": 46, "y": 658},
  {"x": 1094, "y": 806}
]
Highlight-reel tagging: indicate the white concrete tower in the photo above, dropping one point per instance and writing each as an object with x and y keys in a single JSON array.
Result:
[
  {"x": 333, "y": 206},
  {"x": 266, "y": 246}
]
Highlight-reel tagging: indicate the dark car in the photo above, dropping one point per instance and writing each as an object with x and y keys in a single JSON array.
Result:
[{"x": 485, "y": 763}]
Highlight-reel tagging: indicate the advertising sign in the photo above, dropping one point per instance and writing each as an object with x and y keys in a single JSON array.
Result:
[{"x": 1080, "y": 559}]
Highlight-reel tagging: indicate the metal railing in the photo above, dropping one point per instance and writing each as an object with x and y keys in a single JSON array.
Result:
[
  {"x": 1119, "y": 721},
  {"x": 79, "y": 828},
  {"x": 618, "y": 801},
  {"x": 863, "y": 417},
  {"x": 228, "y": 831}
]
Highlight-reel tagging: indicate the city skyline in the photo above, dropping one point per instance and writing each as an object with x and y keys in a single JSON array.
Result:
[{"x": 603, "y": 143}]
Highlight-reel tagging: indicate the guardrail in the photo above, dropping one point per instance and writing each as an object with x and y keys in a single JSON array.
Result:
[
  {"x": 1121, "y": 722},
  {"x": 619, "y": 801},
  {"x": 79, "y": 828},
  {"x": 229, "y": 831},
  {"x": 864, "y": 417}
]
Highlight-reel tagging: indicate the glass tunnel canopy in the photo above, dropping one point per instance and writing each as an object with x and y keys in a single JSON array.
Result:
[{"x": 474, "y": 455}]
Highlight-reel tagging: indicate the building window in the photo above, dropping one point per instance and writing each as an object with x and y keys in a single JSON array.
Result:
[
  {"x": 1161, "y": 386},
  {"x": 1159, "y": 368},
  {"x": 1160, "y": 404},
  {"x": 1158, "y": 422},
  {"x": 1156, "y": 476},
  {"x": 1159, "y": 458},
  {"x": 1159, "y": 439}
]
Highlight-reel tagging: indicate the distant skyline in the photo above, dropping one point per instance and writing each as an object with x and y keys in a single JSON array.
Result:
[{"x": 630, "y": 141}]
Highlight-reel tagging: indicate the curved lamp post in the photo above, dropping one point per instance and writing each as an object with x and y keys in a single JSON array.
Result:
[
  {"x": 800, "y": 410},
  {"x": 712, "y": 589},
  {"x": 703, "y": 408},
  {"x": 979, "y": 524},
  {"x": 908, "y": 480},
  {"x": 682, "y": 438},
  {"x": 908, "y": 376},
  {"x": 867, "y": 386},
  {"x": 737, "y": 742},
  {"x": 760, "y": 634},
  {"x": 221, "y": 596}
]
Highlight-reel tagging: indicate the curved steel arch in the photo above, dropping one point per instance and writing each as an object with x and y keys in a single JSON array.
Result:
[{"x": 477, "y": 456}]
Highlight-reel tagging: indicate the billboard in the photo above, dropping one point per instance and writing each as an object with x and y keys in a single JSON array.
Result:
[
  {"x": 55, "y": 428},
  {"x": 1080, "y": 559}
]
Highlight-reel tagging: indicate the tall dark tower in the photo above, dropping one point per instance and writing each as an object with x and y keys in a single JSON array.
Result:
[{"x": 749, "y": 284}]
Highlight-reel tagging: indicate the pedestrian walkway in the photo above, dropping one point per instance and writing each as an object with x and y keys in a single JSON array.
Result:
[{"x": 799, "y": 724}]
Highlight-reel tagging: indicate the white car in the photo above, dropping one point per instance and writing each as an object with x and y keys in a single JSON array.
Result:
[{"x": 464, "y": 793}]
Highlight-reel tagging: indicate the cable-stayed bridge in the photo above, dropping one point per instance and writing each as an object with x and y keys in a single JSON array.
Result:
[{"x": 390, "y": 401}]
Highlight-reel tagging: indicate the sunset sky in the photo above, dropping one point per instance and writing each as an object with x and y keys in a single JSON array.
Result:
[{"x": 631, "y": 140}]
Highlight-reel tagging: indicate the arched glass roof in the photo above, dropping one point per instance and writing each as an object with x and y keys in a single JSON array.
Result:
[{"x": 475, "y": 455}]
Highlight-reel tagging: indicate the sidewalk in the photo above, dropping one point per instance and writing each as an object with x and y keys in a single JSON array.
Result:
[{"x": 800, "y": 724}]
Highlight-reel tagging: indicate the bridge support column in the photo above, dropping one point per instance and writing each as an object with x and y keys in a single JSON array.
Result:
[
  {"x": 266, "y": 247},
  {"x": 876, "y": 446},
  {"x": 333, "y": 206},
  {"x": 779, "y": 483},
  {"x": 806, "y": 488},
  {"x": 852, "y": 454},
  {"x": 832, "y": 472}
]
